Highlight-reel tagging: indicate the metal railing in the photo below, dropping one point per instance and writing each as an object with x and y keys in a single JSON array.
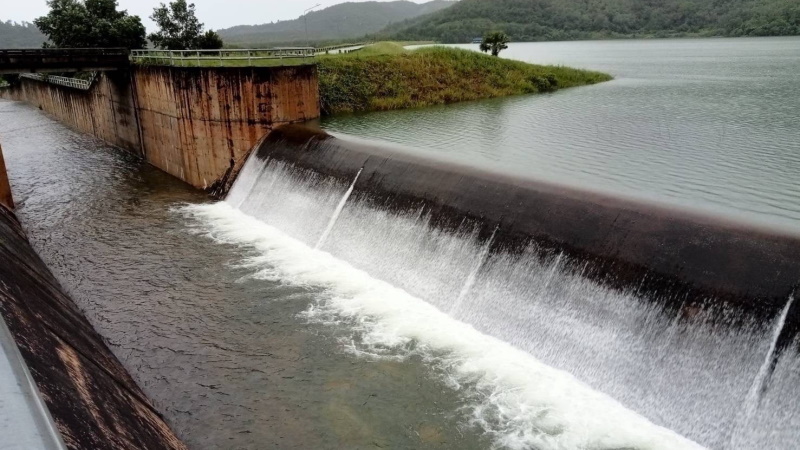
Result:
[
  {"x": 331, "y": 48},
  {"x": 223, "y": 57},
  {"x": 75, "y": 83},
  {"x": 189, "y": 58}
]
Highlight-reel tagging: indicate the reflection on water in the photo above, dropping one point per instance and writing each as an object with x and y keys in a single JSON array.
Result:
[
  {"x": 710, "y": 122},
  {"x": 227, "y": 358}
]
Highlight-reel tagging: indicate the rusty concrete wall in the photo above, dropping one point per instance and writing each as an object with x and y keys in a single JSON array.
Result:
[
  {"x": 193, "y": 123},
  {"x": 196, "y": 123},
  {"x": 106, "y": 110},
  {"x": 5, "y": 187},
  {"x": 94, "y": 402}
]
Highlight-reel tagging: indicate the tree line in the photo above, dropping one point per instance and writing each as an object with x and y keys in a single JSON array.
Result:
[
  {"x": 20, "y": 35},
  {"x": 100, "y": 23},
  {"x": 538, "y": 20}
]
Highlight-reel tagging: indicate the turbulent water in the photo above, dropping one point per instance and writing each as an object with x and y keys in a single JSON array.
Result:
[
  {"x": 297, "y": 315},
  {"x": 546, "y": 358}
]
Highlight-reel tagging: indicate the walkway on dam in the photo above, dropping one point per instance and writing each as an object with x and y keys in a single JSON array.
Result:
[{"x": 62, "y": 60}]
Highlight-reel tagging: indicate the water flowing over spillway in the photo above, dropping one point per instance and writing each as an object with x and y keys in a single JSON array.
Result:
[{"x": 548, "y": 356}]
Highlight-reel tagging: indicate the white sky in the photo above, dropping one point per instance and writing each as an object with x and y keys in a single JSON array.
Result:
[{"x": 215, "y": 14}]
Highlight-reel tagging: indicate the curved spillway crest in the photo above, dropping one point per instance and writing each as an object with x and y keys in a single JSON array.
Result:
[
  {"x": 549, "y": 307},
  {"x": 628, "y": 243}
]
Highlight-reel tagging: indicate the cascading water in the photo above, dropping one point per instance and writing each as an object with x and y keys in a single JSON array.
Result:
[
  {"x": 545, "y": 356},
  {"x": 755, "y": 394},
  {"x": 339, "y": 208},
  {"x": 474, "y": 274}
]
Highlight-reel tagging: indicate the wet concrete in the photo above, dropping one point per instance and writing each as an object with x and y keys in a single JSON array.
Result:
[{"x": 92, "y": 399}]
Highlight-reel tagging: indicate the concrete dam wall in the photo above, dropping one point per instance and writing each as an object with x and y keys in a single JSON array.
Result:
[
  {"x": 685, "y": 256},
  {"x": 193, "y": 123}
]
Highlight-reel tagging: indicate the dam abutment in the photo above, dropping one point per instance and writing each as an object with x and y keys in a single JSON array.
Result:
[{"x": 194, "y": 123}]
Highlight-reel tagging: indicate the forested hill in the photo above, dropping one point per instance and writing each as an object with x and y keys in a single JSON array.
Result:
[
  {"x": 535, "y": 20},
  {"x": 339, "y": 22},
  {"x": 20, "y": 35}
]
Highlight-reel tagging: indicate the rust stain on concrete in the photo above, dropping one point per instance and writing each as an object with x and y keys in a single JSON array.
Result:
[{"x": 196, "y": 124}]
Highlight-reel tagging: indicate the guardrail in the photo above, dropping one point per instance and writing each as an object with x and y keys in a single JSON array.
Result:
[
  {"x": 76, "y": 83},
  {"x": 189, "y": 58},
  {"x": 222, "y": 57},
  {"x": 331, "y": 48}
]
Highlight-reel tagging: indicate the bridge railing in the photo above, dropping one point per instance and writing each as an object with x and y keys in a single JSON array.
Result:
[
  {"x": 223, "y": 57},
  {"x": 76, "y": 83}
]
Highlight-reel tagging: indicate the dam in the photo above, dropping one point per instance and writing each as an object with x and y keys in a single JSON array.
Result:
[{"x": 348, "y": 293}]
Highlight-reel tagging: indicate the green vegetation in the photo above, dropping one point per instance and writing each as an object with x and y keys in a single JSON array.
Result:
[
  {"x": 179, "y": 29},
  {"x": 339, "y": 23},
  {"x": 494, "y": 42},
  {"x": 91, "y": 24},
  {"x": 20, "y": 35},
  {"x": 386, "y": 76},
  {"x": 538, "y": 20}
]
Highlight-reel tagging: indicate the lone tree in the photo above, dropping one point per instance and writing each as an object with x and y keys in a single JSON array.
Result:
[
  {"x": 496, "y": 42},
  {"x": 179, "y": 28},
  {"x": 90, "y": 24}
]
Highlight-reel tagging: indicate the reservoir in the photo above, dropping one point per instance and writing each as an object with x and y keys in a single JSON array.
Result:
[
  {"x": 710, "y": 123},
  {"x": 297, "y": 314}
]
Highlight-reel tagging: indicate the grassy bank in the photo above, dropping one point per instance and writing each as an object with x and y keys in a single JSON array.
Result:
[{"x": 385, "y": 76}]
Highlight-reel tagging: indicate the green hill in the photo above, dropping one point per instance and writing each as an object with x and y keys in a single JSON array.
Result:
[
  {"x": 345, "y": 21},
  {"x": 536, "y": 20},
  {"x": 386, "y": 76},
  {"x": 20, "y": 35}
]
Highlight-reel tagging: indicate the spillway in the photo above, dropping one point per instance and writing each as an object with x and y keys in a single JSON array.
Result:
[{"x": 567, "y": 318}]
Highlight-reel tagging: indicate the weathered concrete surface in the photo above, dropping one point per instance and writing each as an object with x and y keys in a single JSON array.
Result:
[
  {"x": 5, "y": 188},
  {"x": 193, "y": 123},
  {"x": 105, "y": 111},
  {"x": 92, "y": 399},
  {"x": 214, "y": 116}
]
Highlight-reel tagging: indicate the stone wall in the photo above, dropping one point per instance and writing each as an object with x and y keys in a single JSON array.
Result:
[{"x": 193, "y": 123}]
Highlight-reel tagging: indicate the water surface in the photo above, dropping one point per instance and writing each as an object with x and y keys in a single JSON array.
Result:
[{"x": 711, "y": 123}]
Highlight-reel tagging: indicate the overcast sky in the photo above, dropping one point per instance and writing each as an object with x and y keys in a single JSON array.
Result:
[{"x": 214, "y": 13}]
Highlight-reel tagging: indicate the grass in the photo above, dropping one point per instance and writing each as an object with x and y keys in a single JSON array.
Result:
[{"x": 385, "y": 76}]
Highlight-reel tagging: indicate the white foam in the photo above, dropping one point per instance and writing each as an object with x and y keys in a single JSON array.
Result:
[{"x": 520, "y": 401}]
